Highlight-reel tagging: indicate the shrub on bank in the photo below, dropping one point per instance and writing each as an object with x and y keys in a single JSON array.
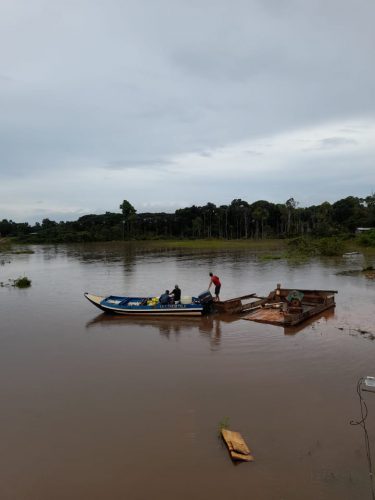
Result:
[
  {"x": 367, "y": 239},
  {"x": 302, "y": 246},
  {"x": 330, "y": 247},
  {"x": 308, "y": 247}
]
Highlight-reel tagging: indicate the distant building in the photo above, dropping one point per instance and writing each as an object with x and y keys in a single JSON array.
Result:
[{"x": 363, "y": 229}]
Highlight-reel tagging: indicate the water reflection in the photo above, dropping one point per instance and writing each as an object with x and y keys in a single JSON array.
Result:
[
  {"x": 164, "y": 325},
  {"x": 211, "y": 326},
  {"x": 323, "y": 317}
]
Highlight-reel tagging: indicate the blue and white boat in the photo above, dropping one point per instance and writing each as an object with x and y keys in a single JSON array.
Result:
[{"x": 147, "y": 306}]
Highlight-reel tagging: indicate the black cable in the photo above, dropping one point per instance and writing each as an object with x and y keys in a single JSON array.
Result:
[{"x": 362, "y": 423}]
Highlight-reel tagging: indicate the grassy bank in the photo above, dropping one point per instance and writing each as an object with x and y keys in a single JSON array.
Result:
[
  {"x": 276, "y": 248},
  {"x": 11, "y": 246},
  {"x": 256, "y": 245},
  {"x": 355, "y": 246}
]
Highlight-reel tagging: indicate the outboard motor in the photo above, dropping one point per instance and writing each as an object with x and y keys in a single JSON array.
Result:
[{"x": 206, "y": 299}]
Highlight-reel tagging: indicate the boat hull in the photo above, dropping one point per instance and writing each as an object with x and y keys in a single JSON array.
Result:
[{"x": 115, "y": 305}]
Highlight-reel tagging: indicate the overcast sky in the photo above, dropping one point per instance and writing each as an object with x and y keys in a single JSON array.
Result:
[{"x": 169, "y": 103}]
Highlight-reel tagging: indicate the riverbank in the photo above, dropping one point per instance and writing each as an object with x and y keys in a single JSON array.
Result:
[
  {"x": 272, "y": 249},
  {"x": 278, "y": 248}
]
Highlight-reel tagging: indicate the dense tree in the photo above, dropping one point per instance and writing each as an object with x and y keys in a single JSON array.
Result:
[
  {"x": 128, "y": 213},
  {"x": 349, "y": 213},
  {"x": 370, "y": 205},
  {"x": 239, "y": 219},
  {"x": 6, "y": 227},
  {"x": 127, "y": 209}
]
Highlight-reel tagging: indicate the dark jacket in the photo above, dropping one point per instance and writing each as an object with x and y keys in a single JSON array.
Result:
[
  {"x": 177, "y": 294},
  {"x": 164, "y": 298}
]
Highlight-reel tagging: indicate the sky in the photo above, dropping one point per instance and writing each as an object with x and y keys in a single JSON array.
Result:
[{"x": 170, "y": 103}]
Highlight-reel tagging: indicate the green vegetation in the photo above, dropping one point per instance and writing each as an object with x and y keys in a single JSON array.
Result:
[
  {"x": 301, "y": 247},
  {"x": 367, "y": 239},
  {"x": 5, "y": 245},
  {"x": 309, "y": 247},
  {"x": 211, "y": 244},
  {"x": 330, "y": 246},
  {"x": 239, "y": 221},
  {"x": 270, "y": 257},
  {"x": 22, "y": 282}
]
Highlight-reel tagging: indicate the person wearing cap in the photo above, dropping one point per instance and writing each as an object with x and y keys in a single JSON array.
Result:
[
  {"x": 176, "y": 294},
  {"x": 214, "y": 280}
]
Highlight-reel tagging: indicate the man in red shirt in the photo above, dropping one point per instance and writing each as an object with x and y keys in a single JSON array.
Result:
[{"x": 215, "y": 280}]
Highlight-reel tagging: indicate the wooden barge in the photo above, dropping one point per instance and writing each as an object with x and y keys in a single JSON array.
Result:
[
  {"x": 289, "y": 307},
  {"x": 282, "y": 307}
]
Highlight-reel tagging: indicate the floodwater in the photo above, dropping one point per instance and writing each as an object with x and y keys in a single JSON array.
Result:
[{"x": 98, "y": 407}]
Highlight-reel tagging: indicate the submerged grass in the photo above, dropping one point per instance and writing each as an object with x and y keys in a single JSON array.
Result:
[
  {"x": 299, "y": 249},
  {"x": 271, "y": 257},
  {"x": 256, "y": 245},
  {"x": 5, "y": 245},
  {"x": 21, "y": 282}
]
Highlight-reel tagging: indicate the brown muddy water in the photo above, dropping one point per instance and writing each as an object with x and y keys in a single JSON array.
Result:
[{"x": 96, "y": 407}]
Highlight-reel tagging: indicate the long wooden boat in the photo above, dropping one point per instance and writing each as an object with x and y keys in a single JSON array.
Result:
[
  {"x": 147, "y": 306},
  {"x": 289, "y": 307}
]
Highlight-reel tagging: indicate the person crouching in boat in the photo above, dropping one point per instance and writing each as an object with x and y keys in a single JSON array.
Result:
[
  {"x": 176, "y": 294},
  {"x": 164, "y": 298}
]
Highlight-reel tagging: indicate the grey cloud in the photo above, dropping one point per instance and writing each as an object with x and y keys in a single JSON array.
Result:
[
  {"x": 254, "y": 153},
  {"x": 39, "y": 215},
  {"x": 330, "y": 143},
  {"x": 334, "y": 142},
  {"x": 130, "y": 163},
  {"x": 6, "y": 78}
]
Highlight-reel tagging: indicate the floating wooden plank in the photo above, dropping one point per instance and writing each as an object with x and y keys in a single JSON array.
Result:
[{"x": 237, "y": 447}]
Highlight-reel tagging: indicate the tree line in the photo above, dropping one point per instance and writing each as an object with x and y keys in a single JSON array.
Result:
[{"x": 238, "y": 220}]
